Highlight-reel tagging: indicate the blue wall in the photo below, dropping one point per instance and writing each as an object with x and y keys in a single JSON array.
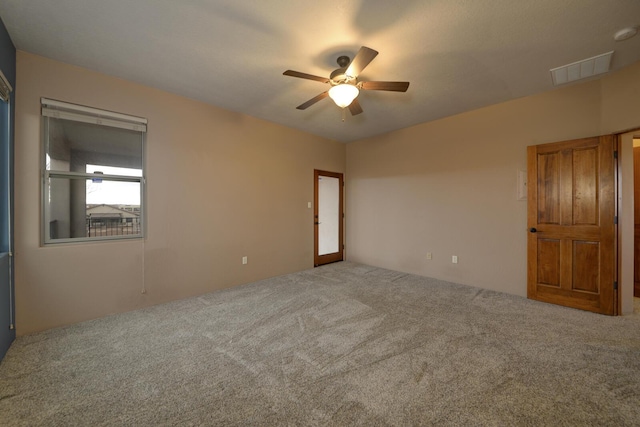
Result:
[{"x": 7, "y": 304}]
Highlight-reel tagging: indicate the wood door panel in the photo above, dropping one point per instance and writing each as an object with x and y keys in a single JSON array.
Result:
[
  {"x": 571, "y": 210},
  {"x": 586, "y": 270},
  {"x": 585, "y": 186},
  {"x": 549, "y": 262},
  {"x": 548, "y": 200}
]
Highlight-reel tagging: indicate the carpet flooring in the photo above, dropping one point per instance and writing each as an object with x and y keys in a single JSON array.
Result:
[{"x": 343, "y": 344}]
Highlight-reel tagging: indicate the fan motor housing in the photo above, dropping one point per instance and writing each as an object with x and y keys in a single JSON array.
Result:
[{"x": 339, "y": 76}]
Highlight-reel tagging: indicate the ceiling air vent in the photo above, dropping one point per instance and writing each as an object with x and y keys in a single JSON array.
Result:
[{"x": 581, "y": 69}]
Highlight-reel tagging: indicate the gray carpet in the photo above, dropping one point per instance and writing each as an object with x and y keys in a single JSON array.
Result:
[{"x": 344, "y": 344}]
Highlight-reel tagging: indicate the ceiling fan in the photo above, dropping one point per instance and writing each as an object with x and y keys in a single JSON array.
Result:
[{"x": 345, "y": 86}]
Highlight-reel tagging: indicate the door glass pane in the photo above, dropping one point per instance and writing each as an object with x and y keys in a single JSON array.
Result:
[{"x": 328, "y": 214}]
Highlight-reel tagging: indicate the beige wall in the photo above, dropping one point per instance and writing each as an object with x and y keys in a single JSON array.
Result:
[
  {"x": 449, "y": 186},
  {"x": 221, "y": 185}
]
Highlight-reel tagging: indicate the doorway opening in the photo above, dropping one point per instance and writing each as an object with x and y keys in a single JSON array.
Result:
[
  {"x": 628, "y": 196},
  {"x": 328, "y": 217},
  {"x": 636, "y": 223}
]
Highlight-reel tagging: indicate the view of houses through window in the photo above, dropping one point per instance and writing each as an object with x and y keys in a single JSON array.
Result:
[{"x": 113, "y": 207}]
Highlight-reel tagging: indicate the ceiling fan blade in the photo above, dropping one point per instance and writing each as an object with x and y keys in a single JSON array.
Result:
[
  {"x": 360, "y": 61},
  {"x": 355, "y": 108},
  {"x": 312, "y": 101},
  {"x": 305, "y": 76},
  {"x": 391, "y": 86}
]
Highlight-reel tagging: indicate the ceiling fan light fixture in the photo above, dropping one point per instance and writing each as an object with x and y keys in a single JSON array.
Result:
[
  {"x": 343, "y": 94},
  {"x": 345, "y": 86}
]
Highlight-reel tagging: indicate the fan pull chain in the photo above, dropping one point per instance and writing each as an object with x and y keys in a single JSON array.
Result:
[{"x": 343, "y": 113}]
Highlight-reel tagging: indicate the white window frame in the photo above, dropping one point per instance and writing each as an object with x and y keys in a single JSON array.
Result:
[{"x": 80, "y": 113}]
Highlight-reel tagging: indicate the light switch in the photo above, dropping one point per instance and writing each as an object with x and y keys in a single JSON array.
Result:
[{"x": 522, "y": 185}]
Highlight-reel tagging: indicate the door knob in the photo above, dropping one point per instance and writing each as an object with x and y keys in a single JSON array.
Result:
[{"x": 533, "y": 230}]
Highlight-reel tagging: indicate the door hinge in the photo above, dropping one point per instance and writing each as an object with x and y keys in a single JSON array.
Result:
[
  {"x": 343, "y": 246},
  {"x": 615, "y": 219},
  {"x": 615, "y": 154},
  {"x": 615, "y": 285}
]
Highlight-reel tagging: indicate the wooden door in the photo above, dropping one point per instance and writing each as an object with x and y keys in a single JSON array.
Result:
[
  {"x": 636, "y": 256},
  {"x": 328, "y": 217},
  {"x": 571, "y": 219}
]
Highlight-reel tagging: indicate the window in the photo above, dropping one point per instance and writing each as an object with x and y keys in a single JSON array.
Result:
[
  {"x": 7, "y": 331},
  {"x": 93, "y": 173},
  {"x": 6, "y": 171}
]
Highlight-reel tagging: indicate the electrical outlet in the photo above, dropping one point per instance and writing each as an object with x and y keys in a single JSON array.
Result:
[
  {"x": 429, "y": 256},
  {"x": 454, "y": 259},
  {"x": 244, "y": 260}
]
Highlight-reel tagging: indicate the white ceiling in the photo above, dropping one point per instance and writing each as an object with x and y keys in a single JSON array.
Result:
[{"x": 458, "y": 54}]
